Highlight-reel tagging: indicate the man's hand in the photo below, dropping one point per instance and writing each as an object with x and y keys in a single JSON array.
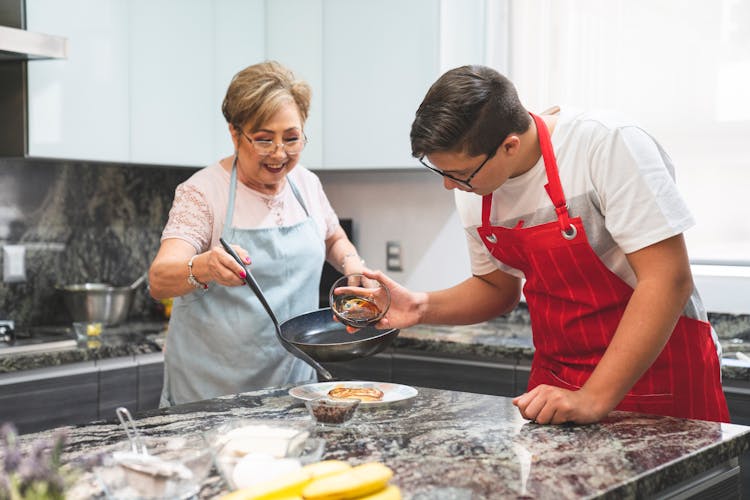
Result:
[{"x": 547, "y": 404}]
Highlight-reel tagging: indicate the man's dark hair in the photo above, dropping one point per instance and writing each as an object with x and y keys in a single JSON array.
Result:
[{"x": 470, "y": 109}]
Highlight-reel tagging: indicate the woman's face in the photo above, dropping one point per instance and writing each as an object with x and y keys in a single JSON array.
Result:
[{"x": 266, "y": 172}]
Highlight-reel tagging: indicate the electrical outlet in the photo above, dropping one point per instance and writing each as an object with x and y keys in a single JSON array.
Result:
[
  {"x": 393, "y": 256},
  {"x": 14, "y": 263}
]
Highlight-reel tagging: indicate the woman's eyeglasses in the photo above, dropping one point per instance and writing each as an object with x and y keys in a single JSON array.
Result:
[{"x": 264, "y": 148}]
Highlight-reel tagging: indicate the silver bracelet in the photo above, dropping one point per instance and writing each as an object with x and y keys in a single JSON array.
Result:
[{"x": 192, "y": 279}]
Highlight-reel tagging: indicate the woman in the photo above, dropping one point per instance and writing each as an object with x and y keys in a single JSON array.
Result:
[
  {"x": 582, "y": 208},
  {"x": 276, "y": 216}
]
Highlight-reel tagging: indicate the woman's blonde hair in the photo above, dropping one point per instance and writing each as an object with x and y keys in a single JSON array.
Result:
[{"x": 257, "y": 92}]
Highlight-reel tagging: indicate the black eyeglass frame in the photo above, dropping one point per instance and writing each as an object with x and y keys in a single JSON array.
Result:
[
  {"x": 464, "y": 182},
  {"x": 277, "y": 144}
]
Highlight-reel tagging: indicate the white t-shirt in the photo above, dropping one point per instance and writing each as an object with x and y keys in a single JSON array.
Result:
[
  {"x": 200, "y": 207},
  {"x": 615, "y": 177}
]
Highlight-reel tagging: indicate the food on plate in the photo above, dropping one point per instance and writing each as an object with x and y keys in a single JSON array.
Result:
[
  {"x": 362, "y": 393},
  {"x": 356, "y": 482}
]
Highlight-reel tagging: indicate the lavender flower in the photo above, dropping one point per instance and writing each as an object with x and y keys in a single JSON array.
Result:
[{"x": 35, "y": 475}]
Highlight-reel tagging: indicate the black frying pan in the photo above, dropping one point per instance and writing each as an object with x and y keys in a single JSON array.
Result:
[
  {"x": 315, "y": 336},
  {"x": 327, "y": 340}
]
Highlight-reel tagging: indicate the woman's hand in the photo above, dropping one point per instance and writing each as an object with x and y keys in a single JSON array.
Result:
[
  {"x": 547, "y": 404},
  {"x": 222, "y": 268}
]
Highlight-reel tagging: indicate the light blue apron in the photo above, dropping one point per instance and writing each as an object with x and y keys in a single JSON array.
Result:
[{"x": 222, "y": 341}]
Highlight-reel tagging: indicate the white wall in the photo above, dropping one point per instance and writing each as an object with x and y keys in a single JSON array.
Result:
[{"x": 412, "y": 208}]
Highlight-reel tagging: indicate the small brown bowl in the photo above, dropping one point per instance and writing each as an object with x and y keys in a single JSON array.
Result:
[{"x": 332, "y": 412}]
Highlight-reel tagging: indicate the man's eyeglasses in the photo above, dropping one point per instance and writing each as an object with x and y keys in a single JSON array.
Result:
[
  {"x": 291, "y": 147},
  {"x": 464, "y": 182}
]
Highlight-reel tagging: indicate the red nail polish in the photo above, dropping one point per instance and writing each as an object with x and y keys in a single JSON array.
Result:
[
  {"x": 243, "y": 275},
  {"x": 247, "y": 259}
]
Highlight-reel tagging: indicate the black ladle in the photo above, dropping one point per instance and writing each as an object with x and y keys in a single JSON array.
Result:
[{"x": 294, "y": 350}]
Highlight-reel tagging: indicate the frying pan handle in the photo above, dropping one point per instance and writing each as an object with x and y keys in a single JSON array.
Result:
[{"x": 292, "y": 349}]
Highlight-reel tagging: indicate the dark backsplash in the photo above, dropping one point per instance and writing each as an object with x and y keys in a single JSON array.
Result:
[{"x": 80, "y": 222}]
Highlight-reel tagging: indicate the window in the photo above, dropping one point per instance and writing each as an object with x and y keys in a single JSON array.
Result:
[{"x": 679, "y": 67}]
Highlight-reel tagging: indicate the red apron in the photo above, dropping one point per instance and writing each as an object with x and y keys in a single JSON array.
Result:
[{"x": 576, "y": 303}]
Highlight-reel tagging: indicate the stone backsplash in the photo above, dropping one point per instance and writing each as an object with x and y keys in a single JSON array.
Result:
[
  {"x": 101, "y": 222},
  {"x": 80, "y": 222}
]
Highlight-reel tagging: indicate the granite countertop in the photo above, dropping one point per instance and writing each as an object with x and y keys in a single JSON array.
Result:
[
  {"x": 506, "y": 338},
  {"x": 509, "y": 338},
  {"x": 128, "y": 339},
  {"x": 453, "y": 445}
]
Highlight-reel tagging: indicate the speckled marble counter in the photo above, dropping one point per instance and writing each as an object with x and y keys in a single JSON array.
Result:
[
  {"x": 128, "y": 339},
  {"x": 509, "y": 338},
  {"x": 452, "y": 445},
  {"x": 504, "y": 338}
]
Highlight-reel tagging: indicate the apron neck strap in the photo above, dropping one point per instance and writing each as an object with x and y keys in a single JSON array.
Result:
[
  {"x": 553, "y": 186},
  {"x": 233, "y": 190}
]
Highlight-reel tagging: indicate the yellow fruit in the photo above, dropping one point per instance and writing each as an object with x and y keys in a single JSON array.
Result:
[
  {"x": 355, "y": 482},
  {"x": 326, "y": 468},
  {"x": 390, "y": 492},
  {"x": 281, "y": 488}
]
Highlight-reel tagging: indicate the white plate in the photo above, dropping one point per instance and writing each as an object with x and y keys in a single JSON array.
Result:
[{"x": 391, "y": 392}]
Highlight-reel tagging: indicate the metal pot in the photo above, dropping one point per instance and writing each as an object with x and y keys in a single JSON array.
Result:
[{"x": 98, "y": 302}]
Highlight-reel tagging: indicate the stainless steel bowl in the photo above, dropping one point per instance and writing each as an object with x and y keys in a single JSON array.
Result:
[{"x": 97, "y": 302}]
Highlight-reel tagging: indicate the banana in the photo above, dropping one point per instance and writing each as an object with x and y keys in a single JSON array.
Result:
[
  {"x": 326, "y": 468},
  {"x": 288, "y": 486},
  {"x": 355, "y": 482},
  {"x": 390, "y": 492}
]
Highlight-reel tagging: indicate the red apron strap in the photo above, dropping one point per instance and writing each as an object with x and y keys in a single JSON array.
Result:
[
  {"x": 486, "y": 209},
  {"x": 553, "y": 186}
]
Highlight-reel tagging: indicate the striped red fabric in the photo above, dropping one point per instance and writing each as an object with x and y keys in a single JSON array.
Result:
[{"x": 576, "y": 303}]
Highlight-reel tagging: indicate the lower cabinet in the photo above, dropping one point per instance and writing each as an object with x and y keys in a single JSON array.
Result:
[
  {"x": 44, "y": 398},
  {"x": 454, "y": 374},
  {"x": 39, "y": 399},
  {"x": 150, "y": 380},
  {"x": 376, "y": 368},
  {"x": 118, "y": 385},
  {"x": 501, "y": 378}
]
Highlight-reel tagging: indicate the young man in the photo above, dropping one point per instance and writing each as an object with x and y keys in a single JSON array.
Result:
[{"x": 584, "y": 208}]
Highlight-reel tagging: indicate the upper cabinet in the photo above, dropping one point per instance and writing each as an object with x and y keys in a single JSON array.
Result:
[
  {"x": 294, "y": 37},
  {"x": 79, "y": 107},
  {"x": 145, "y": 79},
  {"x": 171, "y": 76},
  {"x": 379, "y": 59}
]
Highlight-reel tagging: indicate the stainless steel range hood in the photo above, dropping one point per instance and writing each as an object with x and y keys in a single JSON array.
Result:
[{"x": 17, "y": 44}]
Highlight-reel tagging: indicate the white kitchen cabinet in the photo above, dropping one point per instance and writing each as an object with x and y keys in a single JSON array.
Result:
[
  {"x": 144, "y": 80},
  {"x": 303, "y": 54},
  {"x": 240, "y": 40},
  {"x": 171, "y": 65},
  {"x": 78, "y": 107},
  {"x": 379, "y": 59},
  {"x": 184, "y": 54}
]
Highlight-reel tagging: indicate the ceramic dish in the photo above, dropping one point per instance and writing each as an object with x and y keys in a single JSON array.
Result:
[{"x": 391, "y": 392}]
